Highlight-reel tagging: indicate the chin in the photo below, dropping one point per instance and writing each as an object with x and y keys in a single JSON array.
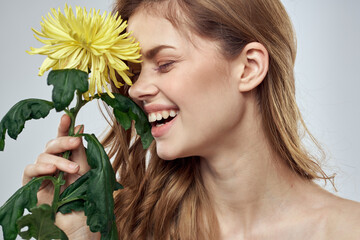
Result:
[
  {"x": 171, "y": 154},
  {"x": 167, "y": 150},
  {"x": 168, "y": 153}
]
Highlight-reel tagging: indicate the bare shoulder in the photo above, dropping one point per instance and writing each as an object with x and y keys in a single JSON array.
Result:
[
  {"x": 320, "y": 215},
  {"x": 343, "y": 218},
  {"x": 331, "y": 216}
]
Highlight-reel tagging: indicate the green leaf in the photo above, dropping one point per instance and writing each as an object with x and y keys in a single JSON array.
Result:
[
  {"x": 77, "y": 189},
  {"x": 125, "y": 110},
  {"x": 13, "y": 209},
  {"x": 74, "y": 195},
  {"x": 41, "y": 224},
  {"x": 93, "y": 192},
  {"x": 16, "y": 117},
  {"x": 99, "y": 205},
  {"x": 123, "y": 118},
  {"x": 112, "y": 235},
  {"x": 75, "y": 205},
  {"x": 65, "y": 83}
]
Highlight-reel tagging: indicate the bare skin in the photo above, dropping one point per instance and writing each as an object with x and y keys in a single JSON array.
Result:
[
  {"x": 306, "y": 211},
  {"x": 256, "y": 196},
  {"x": 48, "y": 163}
]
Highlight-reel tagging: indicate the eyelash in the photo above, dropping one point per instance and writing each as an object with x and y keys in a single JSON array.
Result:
[{"x": 164, "y": 68}]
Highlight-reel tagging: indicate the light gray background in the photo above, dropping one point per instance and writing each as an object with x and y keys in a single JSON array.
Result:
[{"x": 327, "y": 76}]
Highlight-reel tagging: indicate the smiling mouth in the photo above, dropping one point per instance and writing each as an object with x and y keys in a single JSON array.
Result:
[{"x": 160, "y": 118}]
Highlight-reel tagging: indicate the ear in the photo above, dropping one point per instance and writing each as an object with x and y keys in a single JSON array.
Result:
[{"x": 253, "y": 65}]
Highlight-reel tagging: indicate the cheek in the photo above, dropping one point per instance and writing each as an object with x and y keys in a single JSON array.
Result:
[
  {"x": 208, "y": 87},
  {"x": 192, "y": 80},
  {"x": 206, "y": 99}
]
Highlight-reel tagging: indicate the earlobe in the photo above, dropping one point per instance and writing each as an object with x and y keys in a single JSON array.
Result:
[{"x": 255, "y": 63}]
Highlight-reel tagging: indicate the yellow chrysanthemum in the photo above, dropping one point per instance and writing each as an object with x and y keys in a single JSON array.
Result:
[{"x": 88, "y": 42}]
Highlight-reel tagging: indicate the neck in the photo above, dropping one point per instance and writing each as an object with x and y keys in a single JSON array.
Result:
[{"x": 248, "y": 183}]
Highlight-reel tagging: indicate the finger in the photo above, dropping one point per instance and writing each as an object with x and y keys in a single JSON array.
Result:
[
  {"x": 79, "y": 154},
  {"x": 79, "y": 129},
  {"x": 34, "y": 170},
  {"x": 60, "y": 163},
  {"x": 62, "y": 144},
  {"x": 64, "y": 125}
]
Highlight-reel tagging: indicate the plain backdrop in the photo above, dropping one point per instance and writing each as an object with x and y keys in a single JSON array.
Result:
[{"x": 327, "y": 81}]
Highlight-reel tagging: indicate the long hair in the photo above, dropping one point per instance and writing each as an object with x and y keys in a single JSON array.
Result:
[{"x": 167, "y": 199}]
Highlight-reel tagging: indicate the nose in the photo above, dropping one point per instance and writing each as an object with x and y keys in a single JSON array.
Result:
[{"x": 143, "y": 88}]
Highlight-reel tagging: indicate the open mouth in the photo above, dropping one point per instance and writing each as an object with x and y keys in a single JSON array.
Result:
[
  {"x": 162, "y": 122},
  {"x": 157, "y": 119}
]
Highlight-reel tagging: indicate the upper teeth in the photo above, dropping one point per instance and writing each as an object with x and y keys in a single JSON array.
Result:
[{"x": 157, "y": 116}]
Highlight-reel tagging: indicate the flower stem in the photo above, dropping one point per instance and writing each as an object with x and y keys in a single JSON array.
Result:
[
  {"x": 57, "y": 186},
  {"x": 60, "y": 179},
  {"x": 74, "y": 111}
]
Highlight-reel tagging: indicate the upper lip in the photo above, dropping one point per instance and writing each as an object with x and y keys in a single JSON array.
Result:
[{"x": 158, "y": 107}]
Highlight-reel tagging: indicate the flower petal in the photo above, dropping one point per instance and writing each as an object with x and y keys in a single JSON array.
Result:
[{"x": 87, "y": 41}]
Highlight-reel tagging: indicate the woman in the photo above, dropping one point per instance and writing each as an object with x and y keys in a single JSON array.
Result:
[{"x": 217, "y": 84}]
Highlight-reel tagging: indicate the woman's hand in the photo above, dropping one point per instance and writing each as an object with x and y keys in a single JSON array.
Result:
[{"x": 49, "y": 163}]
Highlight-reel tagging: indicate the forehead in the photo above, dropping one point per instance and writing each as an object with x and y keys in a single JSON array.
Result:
[{"x": 150, "y": 29}]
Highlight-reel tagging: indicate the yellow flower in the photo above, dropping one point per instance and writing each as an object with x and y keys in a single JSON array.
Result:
[{"x": 88, "y": 42}]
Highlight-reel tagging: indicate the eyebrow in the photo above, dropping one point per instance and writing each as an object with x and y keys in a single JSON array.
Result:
[{"x": 152, "y": 52}]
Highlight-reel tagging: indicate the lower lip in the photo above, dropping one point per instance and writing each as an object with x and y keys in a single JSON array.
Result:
[{"x": 162, "y": 130}]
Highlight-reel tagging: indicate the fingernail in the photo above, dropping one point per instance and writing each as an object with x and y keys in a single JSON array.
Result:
[{"x": 73, "y": 165}]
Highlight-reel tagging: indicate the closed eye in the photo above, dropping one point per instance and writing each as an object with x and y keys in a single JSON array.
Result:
[{"x": 164, "y": 68}]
